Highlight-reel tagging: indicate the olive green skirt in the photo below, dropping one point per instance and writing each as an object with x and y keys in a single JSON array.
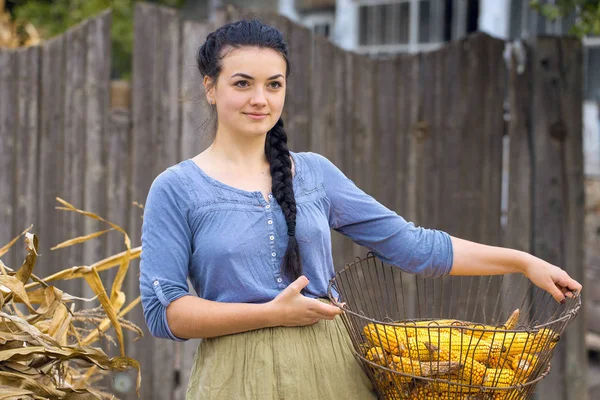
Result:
[{"x": 281, "y": 363}]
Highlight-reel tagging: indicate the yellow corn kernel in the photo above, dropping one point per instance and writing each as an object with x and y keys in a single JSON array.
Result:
[
  {"x": 513, "y": 320},
  {"x": 383, "y": 336},
  {"x": 427, "y": 392},
  {"x": 417, "y": 350},
  {"x": 456, "y": 386},
  {"x": 524, "y": 365},
  {"x": 378, "y": 355},
  {"x": 468, "y": 346},
  {"x": 472, "y": 371},
  {"x": 524, "y": 342},
  {"x": 499, "y": 377}
]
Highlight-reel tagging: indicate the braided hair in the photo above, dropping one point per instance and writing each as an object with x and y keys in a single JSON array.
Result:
[{"x": 253, "y": 33}]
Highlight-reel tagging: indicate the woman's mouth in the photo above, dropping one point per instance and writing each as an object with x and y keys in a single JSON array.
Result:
[{"x": 256, "y": 116}]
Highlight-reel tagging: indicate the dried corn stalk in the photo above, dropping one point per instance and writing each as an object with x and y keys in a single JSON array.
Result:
[
  {"x": 45, "y": 352},
  {"x": 10, "y": 37}
]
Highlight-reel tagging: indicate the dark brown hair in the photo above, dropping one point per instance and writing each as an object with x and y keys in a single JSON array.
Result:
[{"x": 253, "y": 33}]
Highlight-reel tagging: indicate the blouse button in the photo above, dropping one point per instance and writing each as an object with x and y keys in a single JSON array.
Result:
[
  {"x": 268, "y": 206},
  {"x": 272, "y": 237},
  {"x": 279, "y": 280},
  {"x": 270, "y": 196},
  {"x": 155, "y": 283},
  {"x": 273, "y": 254},
  {"x": 270, "y": 222}
]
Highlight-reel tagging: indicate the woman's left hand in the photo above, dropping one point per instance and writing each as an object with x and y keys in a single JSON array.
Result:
[{"x": 551, "y": 278}]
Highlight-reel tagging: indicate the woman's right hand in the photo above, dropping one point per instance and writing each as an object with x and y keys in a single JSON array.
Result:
[{"x": 291, "y": 308}]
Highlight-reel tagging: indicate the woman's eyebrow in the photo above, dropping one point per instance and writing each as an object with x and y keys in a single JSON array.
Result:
[{"x": 249, "y": 77}]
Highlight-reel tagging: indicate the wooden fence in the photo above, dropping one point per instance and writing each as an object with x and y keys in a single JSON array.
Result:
[{"x": 421, "y": 133}]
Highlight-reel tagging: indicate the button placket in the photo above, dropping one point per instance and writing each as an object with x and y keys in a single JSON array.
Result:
[{"x": 271, "y": 233}]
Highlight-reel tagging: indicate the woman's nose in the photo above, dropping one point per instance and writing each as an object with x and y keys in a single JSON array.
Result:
[{"x": 258, "y": 97}]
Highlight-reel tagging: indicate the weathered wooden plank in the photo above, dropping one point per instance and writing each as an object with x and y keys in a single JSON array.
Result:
[
  {"x": 571, "y": 91},
  {"x": 518, "y": 232},
  {"x": 197, "y": 129},
  {"x": 165, "y": 152},
  {"x": 321, "y": 104},
  {"x": 145, "y": 121},
  {"x": 75, "y": 114},
  {"x": 118, "y": 205},
  {"x": 28, "y": 61},
  {"x": 408, "y": 100},
  {"x": 554, "y": 231},
  {"x": 347, "y": 165},
  {"x": 428, "y": 142},
  {"x": 493, "y": 73},
  {"x": 335, "y": 143},
  {"x": 50, "y": 176},
  {"x": 298, "y": 95},
  {"x": 97, "y": 90},
  {"x": 167, "y": 103},
  {"x": 422, "y": 148},
  {"x": 361, "y": 134},
  {"x": 386, "y": 132},
  {"x": 8, "y": 151},
  {"x": 480, "y": 164}
]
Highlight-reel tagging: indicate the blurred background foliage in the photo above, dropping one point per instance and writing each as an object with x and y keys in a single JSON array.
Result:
[
  {"x": 52, "y": 17},
  {"x": 588, "y": 14}
]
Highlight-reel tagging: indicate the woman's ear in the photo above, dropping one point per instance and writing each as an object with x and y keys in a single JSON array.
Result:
[{"x": 209, "y": 89}]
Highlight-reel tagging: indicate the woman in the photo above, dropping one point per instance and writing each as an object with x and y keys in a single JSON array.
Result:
[{"x": 249, "y": 222}]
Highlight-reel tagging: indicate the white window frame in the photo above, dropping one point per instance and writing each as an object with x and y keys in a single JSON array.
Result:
[
  {"x": 413, "y": 45},
  {"x": 310, "y": 20}
]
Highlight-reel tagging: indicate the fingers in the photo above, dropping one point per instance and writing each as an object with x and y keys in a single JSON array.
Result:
[
  {"x": 568, "y": 286},
  {"x": 299, "y": 284},
  {"x": 556, "y": 292},
  {"x": 323, "y": 310}
]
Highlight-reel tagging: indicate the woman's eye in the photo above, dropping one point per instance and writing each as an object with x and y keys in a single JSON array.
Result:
[
  {"x": 239, "y": 84},
  {"x": 276, "y": 85}
]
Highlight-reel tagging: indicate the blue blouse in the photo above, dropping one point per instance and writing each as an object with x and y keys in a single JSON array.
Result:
[{"x": 230, "y": 242}]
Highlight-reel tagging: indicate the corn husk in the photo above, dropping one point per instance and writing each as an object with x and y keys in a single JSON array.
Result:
[{"x": 48, "y": 351}]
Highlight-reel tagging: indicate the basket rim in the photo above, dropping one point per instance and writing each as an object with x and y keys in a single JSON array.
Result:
[{"x": 410, "y": 323}]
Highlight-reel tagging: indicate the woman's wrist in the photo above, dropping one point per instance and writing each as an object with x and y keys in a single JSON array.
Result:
[
  {"x": 270, "y": 312},
  {"x": 523, "y": 262}
]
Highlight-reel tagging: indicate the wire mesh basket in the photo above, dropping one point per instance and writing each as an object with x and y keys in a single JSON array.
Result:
[{"x": 485, "y": 337}]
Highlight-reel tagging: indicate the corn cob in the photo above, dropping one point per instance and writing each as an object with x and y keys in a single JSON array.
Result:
[
  {"x": 467, "y": 346},
  {"x": 489, "y": 332},
  {"x": 395, "y": 339},
  {"x": 384, "y": 336},
  {"x": 513, "y": 320},
  {"x": 429, "y": 392},
  {"x": 455, "y": 386},
  {"x": 499, "y": 377},
  {"x": 409, "y": 366},
  {"x": 378, "y": 355},
  {"x": 473, "y": 372},
  {"x": 431, "y": 327},
  {"x": 423, "y": 393},
  {"x": 524, "y": 342},
  {"x": 524, "y": 365}
]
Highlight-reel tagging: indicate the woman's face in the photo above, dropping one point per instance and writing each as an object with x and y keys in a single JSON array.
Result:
[{"x": 250, "y": 90}]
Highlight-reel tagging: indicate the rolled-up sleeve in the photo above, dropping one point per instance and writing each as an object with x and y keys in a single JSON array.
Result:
[
  {"x": 166, "y": 250},
  {"x": 357, "y": 215}
]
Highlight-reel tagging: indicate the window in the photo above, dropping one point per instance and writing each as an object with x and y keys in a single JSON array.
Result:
[
  {"x": 592, "y": 73},
  {"x": 388, "y": 26},
  {"x": 525, "y": 21},
  {"x": 322, "y": 29},
  {"x": 320, "y": 23}
]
